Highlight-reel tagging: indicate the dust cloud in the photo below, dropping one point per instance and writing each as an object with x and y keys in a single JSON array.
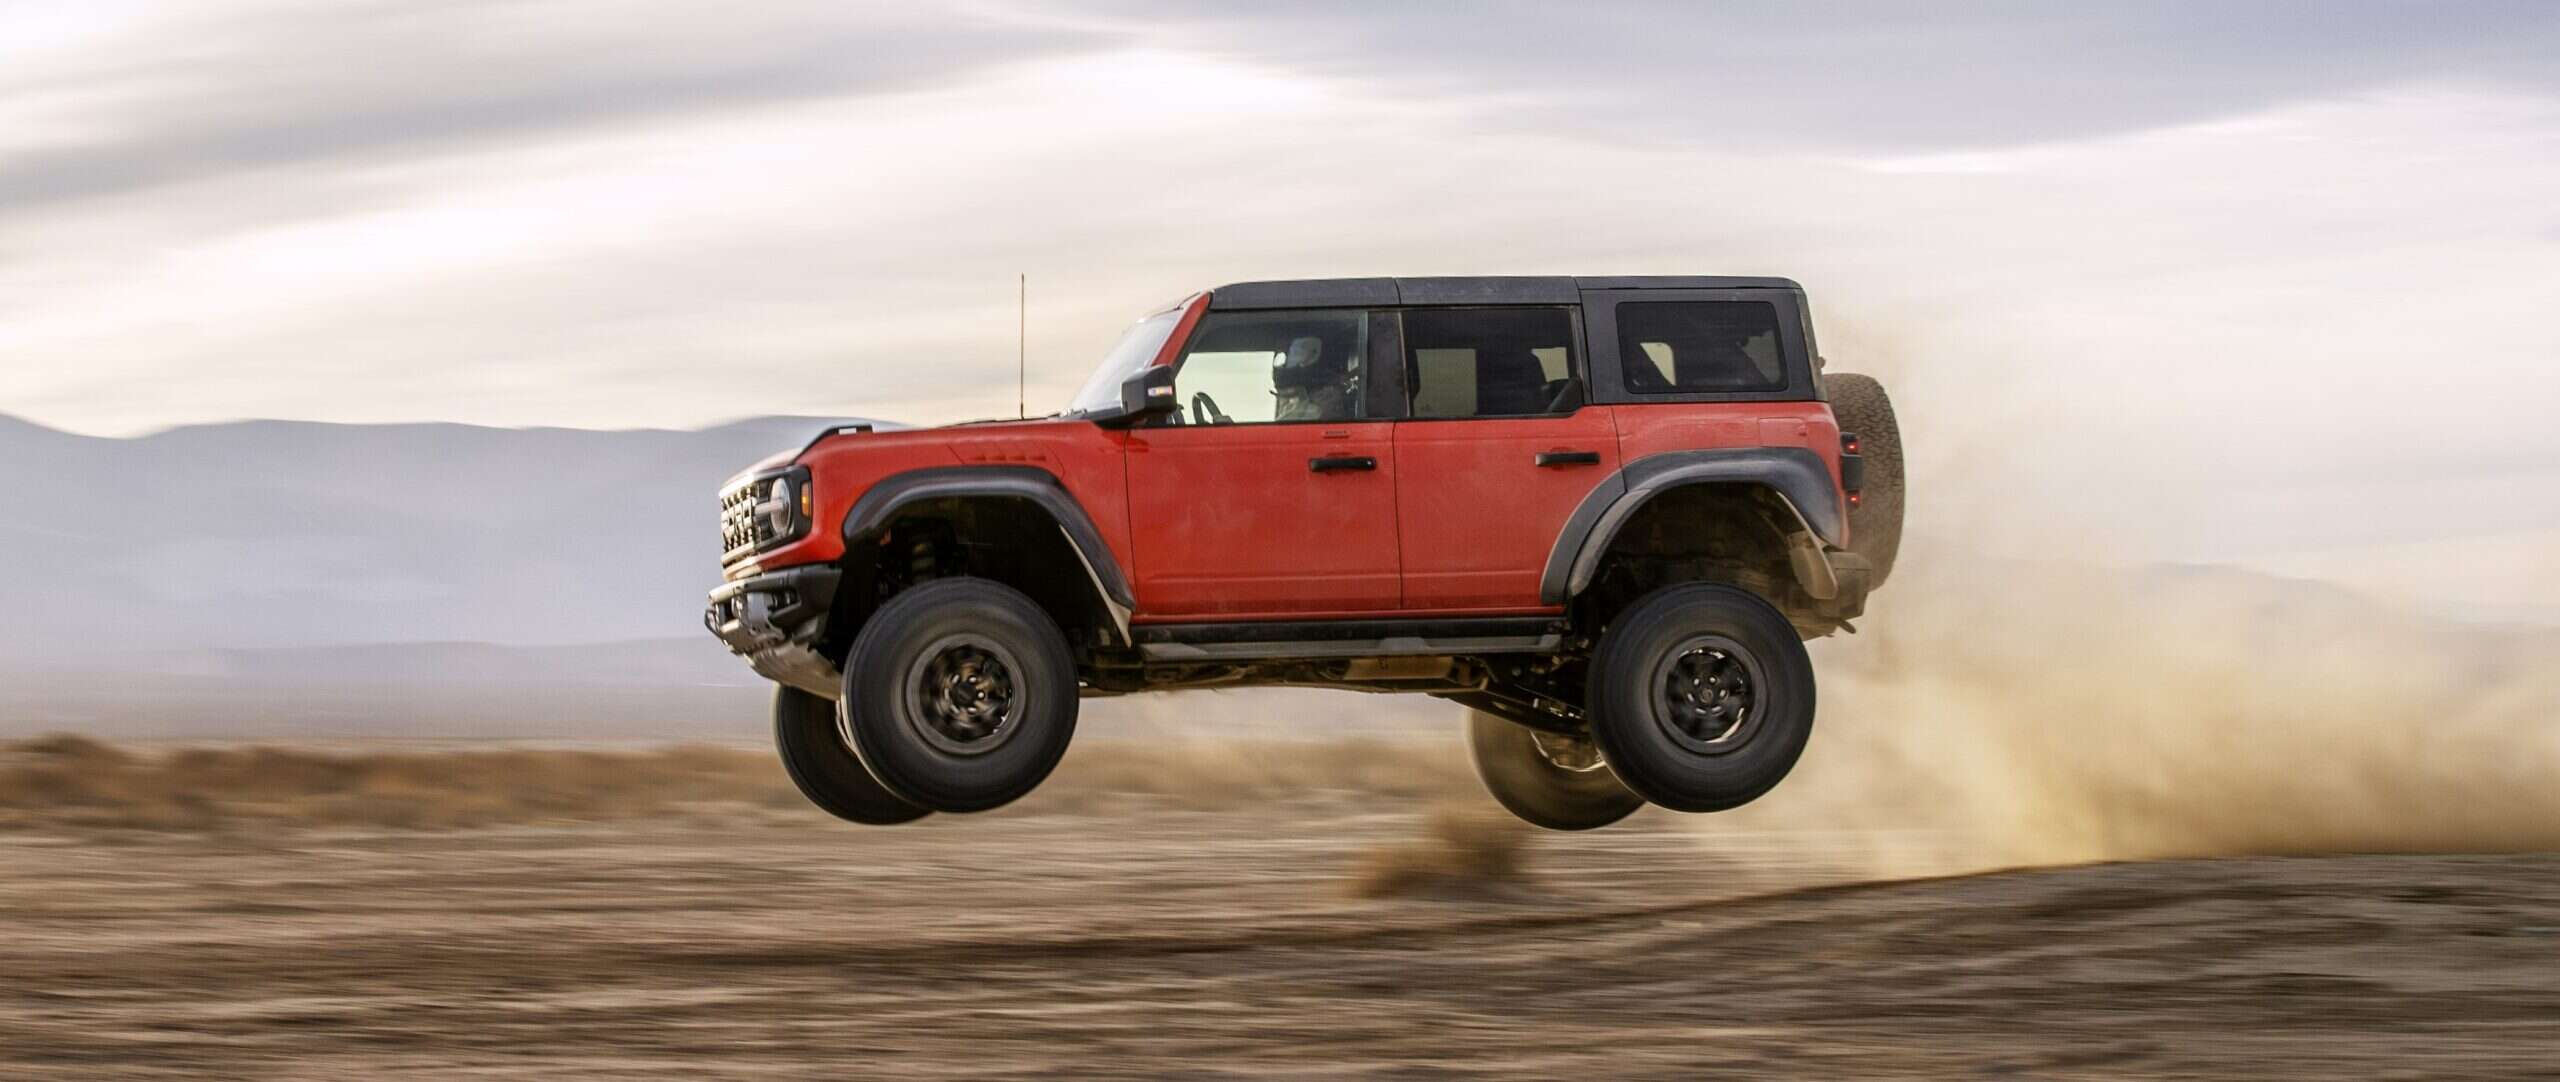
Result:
[
  {"x": 2001, "y": 714},
  {"x": 1468, "y": 850},
  {"x": 2036, "y": 686}
]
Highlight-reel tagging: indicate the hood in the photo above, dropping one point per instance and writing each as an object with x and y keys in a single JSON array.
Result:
[{"x": 789, "y": 455}]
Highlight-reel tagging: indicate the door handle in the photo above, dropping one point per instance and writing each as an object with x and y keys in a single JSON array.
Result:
[
  {"x": 1568, "y": 458},
  {"x": 1330, "y": 463}
]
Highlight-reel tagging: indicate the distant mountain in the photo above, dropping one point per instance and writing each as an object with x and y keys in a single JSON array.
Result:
[
  {"x": 272, "y": 577},
  {"x": 262, "y": 534}
]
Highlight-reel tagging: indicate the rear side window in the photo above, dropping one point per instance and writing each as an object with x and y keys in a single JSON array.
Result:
[
  {"x": 1488, "y": 362},
  {"x": 1674, "y": 347}
]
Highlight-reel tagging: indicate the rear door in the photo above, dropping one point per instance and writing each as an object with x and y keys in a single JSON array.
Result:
[
  {"x": 1273, "y": 495},
  {"x": 1496, "y": 452}
]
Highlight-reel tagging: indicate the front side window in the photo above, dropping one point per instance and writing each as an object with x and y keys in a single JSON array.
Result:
[
  {"x": 1272, "y": 367},
  {"x": 1674, "y": 347},
  {"x": 1489, "y": 362}
]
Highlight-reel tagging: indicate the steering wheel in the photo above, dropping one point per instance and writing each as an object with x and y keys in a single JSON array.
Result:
[{"x": 1205, "y": 411}]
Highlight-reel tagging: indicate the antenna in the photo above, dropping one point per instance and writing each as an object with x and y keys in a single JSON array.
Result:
[{"x": 1021, "y": 343}]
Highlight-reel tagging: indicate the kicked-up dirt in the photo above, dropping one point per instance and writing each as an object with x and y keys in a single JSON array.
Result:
[{"x": 1164, "y": 931}]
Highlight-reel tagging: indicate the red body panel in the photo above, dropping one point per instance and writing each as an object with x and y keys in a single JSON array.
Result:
[
  {"x": 1233, "y": 523},
  {"x": 1674, "y": 426},
  {"x": 1230, "y": 523},
  {"x": 1479, "y": 515}
]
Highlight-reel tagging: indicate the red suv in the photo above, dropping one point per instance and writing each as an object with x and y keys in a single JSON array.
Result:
[{"x": 1601, "y": 513}]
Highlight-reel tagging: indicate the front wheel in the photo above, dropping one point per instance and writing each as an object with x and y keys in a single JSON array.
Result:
[
  {"x": 1701, "y": 697},
  {"x": 1548, "y": 780},
  {"x": 815, "y": 755},
  {"x": 960, "y": 694}
]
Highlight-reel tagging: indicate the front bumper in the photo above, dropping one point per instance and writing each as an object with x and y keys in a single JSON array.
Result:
[{"x": 775, "y": 620}]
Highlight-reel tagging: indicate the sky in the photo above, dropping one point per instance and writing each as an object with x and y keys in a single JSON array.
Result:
[{"x": 2269, "y": 283}]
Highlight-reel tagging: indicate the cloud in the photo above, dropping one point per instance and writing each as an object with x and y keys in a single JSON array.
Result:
[
  {"x": 156, "y": 97},
  {"x": 2196, "y": 324},
  {"x": 209, "y": 93},
  {"x": 1865, "y": 76}
]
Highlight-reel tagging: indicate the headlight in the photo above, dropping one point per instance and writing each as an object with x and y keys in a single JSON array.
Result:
[
  {"x": 781, "y": 507},
  {"x": 767, "y": 511}
]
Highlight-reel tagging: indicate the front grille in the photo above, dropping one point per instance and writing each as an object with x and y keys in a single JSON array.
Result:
[{"x": 742, "y": 530}]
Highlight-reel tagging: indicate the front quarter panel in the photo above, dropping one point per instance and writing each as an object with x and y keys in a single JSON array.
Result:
[
  {"x": 1084, "y": 457},
  {"x": 841, "y": 468}
]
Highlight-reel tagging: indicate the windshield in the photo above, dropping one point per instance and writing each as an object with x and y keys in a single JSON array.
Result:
[{"x": 1140, "y": 345}]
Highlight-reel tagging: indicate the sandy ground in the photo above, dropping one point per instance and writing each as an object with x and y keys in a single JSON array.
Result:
[{"x": 1137, "y": 938}]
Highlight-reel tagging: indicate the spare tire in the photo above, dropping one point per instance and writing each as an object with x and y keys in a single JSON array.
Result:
[{"x": 1875, "y": 524}]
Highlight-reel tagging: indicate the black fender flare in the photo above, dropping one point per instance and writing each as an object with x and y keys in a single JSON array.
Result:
[
  {"x": 881, "y": 504},
  {"x": 1796, "y": 474}
]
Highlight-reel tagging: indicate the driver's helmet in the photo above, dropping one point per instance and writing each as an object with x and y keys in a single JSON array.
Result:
[{"x": 1297, "y": 365}]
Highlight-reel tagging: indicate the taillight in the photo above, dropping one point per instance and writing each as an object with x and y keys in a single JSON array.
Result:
[{"x": 1853, "y": 469}]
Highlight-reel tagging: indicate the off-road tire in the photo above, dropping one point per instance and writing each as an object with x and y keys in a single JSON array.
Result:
[
  {"x": 815, "y": 755},
  {"x": 1648, "y": 669},
  {"x": 1529, "y": 784},
  {"x": 890, "y": 717},
  {"x": 1875, "y": 525}
]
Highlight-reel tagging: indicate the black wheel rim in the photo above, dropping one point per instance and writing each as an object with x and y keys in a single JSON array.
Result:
[
  {"x": 1708, "y": 695},
  {"x": 965, "y": 695}
]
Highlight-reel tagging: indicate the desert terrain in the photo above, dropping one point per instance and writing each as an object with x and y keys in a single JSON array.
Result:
[
  {"x": 2050, "y": 824},
  {"x": 1265, "y": 910}
]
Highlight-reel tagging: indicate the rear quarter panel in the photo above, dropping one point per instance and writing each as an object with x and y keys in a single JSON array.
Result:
[{"x": 1696, "y": 426}]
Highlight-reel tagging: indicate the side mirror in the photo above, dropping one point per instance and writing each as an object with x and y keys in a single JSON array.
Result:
[{"x": 1147, "y": 394}]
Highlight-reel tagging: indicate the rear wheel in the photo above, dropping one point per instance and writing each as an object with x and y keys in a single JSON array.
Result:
[
  {"x": 960, "y": 695},
  {"x": 1875, "y": 525},
  {"x": 815, "y": 755},
  {"x": 1546, "y": 779},
  {"x": 1701, "y": 697}
]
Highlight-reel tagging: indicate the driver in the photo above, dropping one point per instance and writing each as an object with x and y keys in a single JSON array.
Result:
[{"x": 1307, "y": 389}]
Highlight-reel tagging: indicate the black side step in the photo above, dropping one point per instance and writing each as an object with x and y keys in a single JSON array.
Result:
[{"x": 1350, "y": 638}]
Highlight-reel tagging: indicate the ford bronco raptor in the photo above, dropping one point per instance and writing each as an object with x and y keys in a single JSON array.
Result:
[{"x": 1602, "y": 514}]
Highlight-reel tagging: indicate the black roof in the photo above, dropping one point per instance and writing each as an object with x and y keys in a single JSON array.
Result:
[{"x": 1367, "y": 292}]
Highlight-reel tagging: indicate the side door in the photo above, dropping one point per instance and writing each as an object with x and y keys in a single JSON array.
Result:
[
  {"x": 1498, "y": 449},
  {"x": 1272, "y": 493}
]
